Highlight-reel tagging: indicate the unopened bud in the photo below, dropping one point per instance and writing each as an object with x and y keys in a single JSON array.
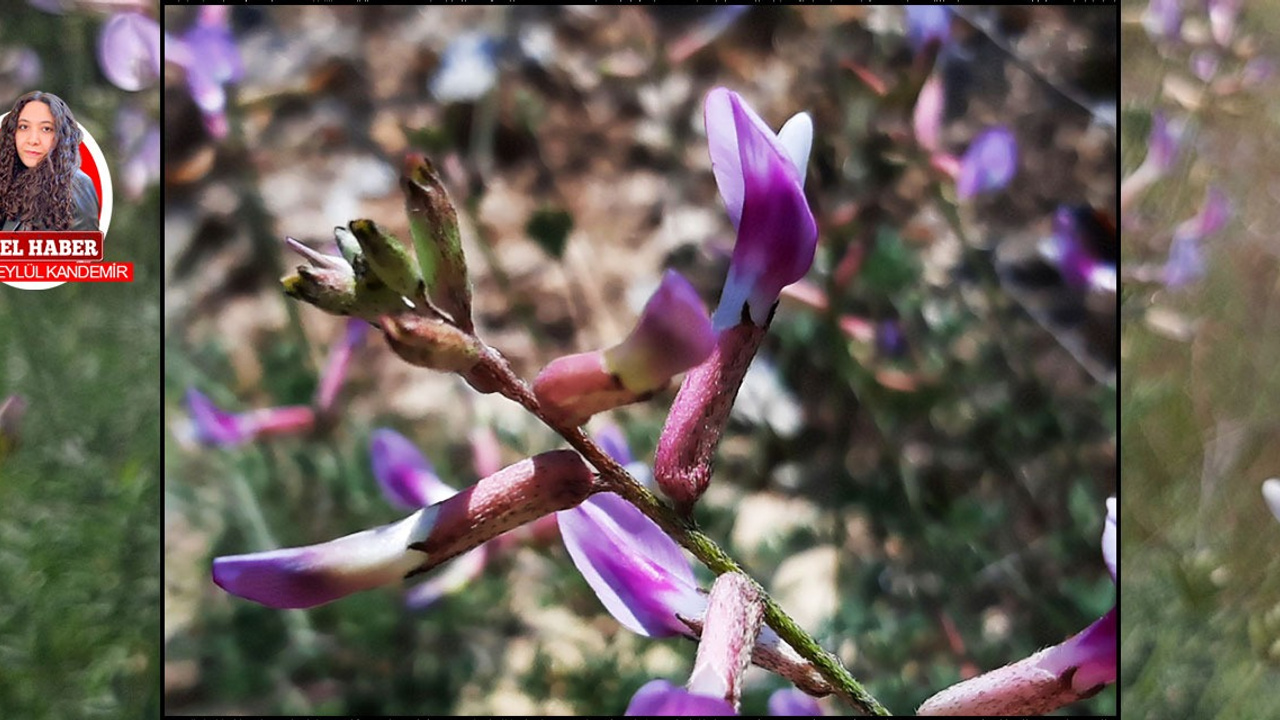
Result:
[
  {"x": 430, "y": 343},
  {"x": 388, "y": 258},
  {"x": 329, "y": 289},
  {"x": 433, "y": 222}
]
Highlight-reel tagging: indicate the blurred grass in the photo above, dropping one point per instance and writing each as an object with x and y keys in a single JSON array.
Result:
[
  {"x": 1201, "y": 578},
  {"x": 79, "y": 532}
]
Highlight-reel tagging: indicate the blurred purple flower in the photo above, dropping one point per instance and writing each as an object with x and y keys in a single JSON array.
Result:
[
  {"x": 1223, "y": 15},
  {"x": 1069, "y": 249},
  {"x": 1163, "y": 19},
  {"x": 129, "y": 51},
  {"x": 208, "y": 54},
  {"x": 1271, "y": 494},
  {"x": 661, "y": 698},
  {"x": 1204, "y": 63},
  {"x": 335, "y": 369},
  {"x": 890, "y": 341},
  {"x": 927, "y": 115},
  {"x": 138, "y": 138},
  {"x": 1186, "y": 256},
  {"x": 406, "y": 477},
  {"x": 20, "y": 66},
  {"x": 212, "y": 426},
  {"x": 761, "y": 179},
  {"x": 790, "y": 702},
  {"x": 1074, "y": 669},
  {"x": 1163, "y": 147},
  {"x": 926, "y": 23},
  {"x": 989, "y": 164},
  {"x": 1257, "y": 71},
  {"x": 672, "y": 335}
]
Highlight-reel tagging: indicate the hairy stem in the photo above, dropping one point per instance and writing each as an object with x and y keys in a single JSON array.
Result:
[{"x": 616, "y": 479}]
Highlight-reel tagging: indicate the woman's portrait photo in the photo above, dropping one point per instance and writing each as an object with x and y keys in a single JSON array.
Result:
[{"x": 42, "y": 186}]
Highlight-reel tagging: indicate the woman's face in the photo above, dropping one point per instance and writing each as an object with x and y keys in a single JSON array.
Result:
[{"x": 37, "y": 134}]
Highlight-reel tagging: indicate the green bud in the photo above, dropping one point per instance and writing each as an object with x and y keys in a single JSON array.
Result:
[
  {"x": 329, "y": 289},
  {"x": 433, "y": 221},
  {"x": 388, "y": 258},
  {"x": 347, "y": 244}
]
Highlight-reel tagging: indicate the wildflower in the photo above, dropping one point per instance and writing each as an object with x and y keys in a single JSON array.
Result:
[
  {"x": 761, "y": 180},
  {"x": 211, "y": 60},
  {"x": 138, "y": 140},
  {"x": 989, "y": 164},
  {"x": 1223, "y": 15},
  {"x": 928, "y": 23},
  {"x": 735, "y": 612},
  {"x": 790, "y": 702},
  {"x": 1163, "y": 19},
  {"x": 1186, "y": 256},
  {"x": 129, "y": 51},
  {"x": 313, "y": 575},
  {"x": 210, "y": 425},
  {"x": 672, "y": 335},
  {"x": 1163, "y": 145},
  {"x": 335, "y": 369},
  {"x": 1072, "y": 670},
  {"x": 1079, "y": 241}
]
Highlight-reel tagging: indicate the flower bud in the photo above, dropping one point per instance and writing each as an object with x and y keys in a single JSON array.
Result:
[
  {"x": 430, "y": 343},
  {"x": 388, "y": 258},
  {"x": 433, "y": 222}
]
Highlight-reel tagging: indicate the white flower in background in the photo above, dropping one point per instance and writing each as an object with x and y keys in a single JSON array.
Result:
[{"x": 1271, "y": 493}]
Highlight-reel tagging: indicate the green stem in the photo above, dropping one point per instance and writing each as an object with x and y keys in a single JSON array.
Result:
[{"x": 616, "y": 479}]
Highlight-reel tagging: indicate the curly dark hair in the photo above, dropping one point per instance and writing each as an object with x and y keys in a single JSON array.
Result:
[{"x": 40, "y": 196}]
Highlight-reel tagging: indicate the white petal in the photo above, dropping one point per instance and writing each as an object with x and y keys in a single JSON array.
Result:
[
  {"x": 1271, "y": 493},
  {"x": 796, "y": 137}
]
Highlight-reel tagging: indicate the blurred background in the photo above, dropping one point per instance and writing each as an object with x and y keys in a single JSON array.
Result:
[
  {"x": 1200, "y": 390},
  {"x": 916, "y": 466},
  {"x": 80, "y": 469}
]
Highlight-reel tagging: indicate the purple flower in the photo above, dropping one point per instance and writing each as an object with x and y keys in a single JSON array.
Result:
[
  {"x": 926, "y": 23},
  {"x": 1070, "y": 249},
  {"x": 308, "y": 576},
  {"x": 211, "y": 425},
  {"x": 406, "y": 477},
  {"x": 927, "y": 115},
  {"x": 1163, "y": 19},
  {"x": 638, "y": 572},
  {"x": 1186, "y": 256},
  {"x": 673, "y": 335},
  {"x": 1163, "y": 143},
  {"x": 335, "y": 370},
  {"x": 129, "y": 51},
  {"x": 209, "y": 55},
  {"x": 661, "y": 698},
  {"x": 138, "y": 138},
  {"x": 761, "y": 179},
  {"x": 1222, "y": 19},
  {"x": 1049, "y": 679},
  {"x": 1271, "y": 493},
  {"x": 989, "y": 164},
  {"x": 790, "y": 702}
]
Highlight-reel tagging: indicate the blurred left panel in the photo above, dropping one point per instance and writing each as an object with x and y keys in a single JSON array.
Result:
[{"x": 80, "y": 348}]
